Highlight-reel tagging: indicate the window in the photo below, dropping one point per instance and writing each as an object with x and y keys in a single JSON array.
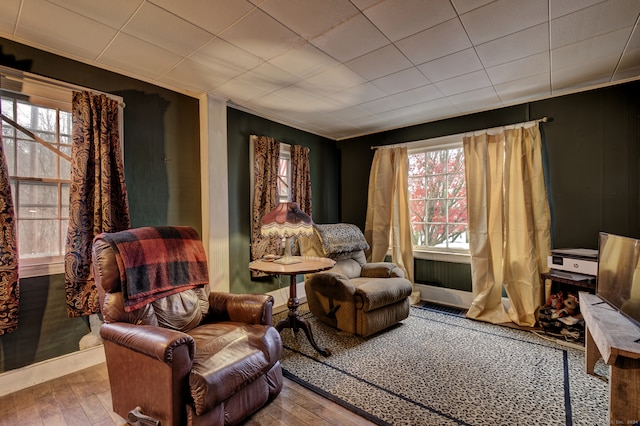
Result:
[
  {"x": 37, "y": 140},
  {"x": 437, "y": 193},
  {"x": 284, "y": 173},
  {"x": 39, "y": 175}
]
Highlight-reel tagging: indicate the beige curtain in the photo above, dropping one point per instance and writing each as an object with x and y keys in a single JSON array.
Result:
[
  {"x": 98, "y": 195},
  {"x": 388, "y": 219},
  {"x": 509, "y": 222}
]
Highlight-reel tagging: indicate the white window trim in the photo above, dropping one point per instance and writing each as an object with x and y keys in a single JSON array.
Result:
[
  {"x": 442, "y": 255},
  {"x": 54, "y": 94}
]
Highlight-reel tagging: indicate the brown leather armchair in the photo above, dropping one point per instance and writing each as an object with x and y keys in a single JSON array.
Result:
[
  {"x": 354, "y": 296},
  {"x": 193, "y": 357}
]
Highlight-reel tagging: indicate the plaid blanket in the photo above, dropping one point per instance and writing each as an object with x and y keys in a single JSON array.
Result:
[{"x": 156, "y": 262}]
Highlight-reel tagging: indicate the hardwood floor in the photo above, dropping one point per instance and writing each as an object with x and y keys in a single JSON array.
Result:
[{"x": 83, "y": 398}]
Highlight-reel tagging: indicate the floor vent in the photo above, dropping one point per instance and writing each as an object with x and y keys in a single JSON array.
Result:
[{"x": 451, "y": 310}]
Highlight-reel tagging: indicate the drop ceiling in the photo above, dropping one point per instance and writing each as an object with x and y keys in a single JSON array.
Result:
[{"x": 343, "y": 68}]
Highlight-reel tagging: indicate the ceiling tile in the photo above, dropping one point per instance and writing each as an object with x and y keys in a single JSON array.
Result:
[
  {"x": 261, "y": 35},
  {"x": 138, "y": 56},
  {"x": 630, "y": 63},
  {"x": 150, "y": 23},
  {"x": 441, "y": 40},
  {"x": 608, "y": 46},
  {"x": 450, "y": 66},
  {"x": 464, "y": 83},
  {"x": 351, "y": 39},
  {"x": 213, "y": 16},
  {"x": 476, "y": 100},
  {"x": 221, "y": 55},
  {"x": 515, "y": 46},
  {"x": 357, "y": 94},
  {"x": 503, "y": 17},
  {"x": 380, "y": 62},
  {"x": 398, "y": 19},
  {"x": 310, "y": 18},
  {"x": 8, "y": 15},
  {"x": 535, "y": 86},
  {"x": 114, "y": 13},
  {"x": 519, "y": 69},
  {"x": 401, "y": 81},
  {"x": 464, "y": 6},
  {"x": 196, "y": 77},
  {"x": 239, "y": 91},
  {"x": 40, "y": 24},
  {"x": 335, "y": 79},
  {"x": 304, "y": 61},
  {"x": 559, "y": 8},
  {"x": 593, "y": 21}
]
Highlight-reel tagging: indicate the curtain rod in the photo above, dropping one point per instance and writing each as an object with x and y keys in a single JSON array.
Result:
[{"x": 397, "y": 145}]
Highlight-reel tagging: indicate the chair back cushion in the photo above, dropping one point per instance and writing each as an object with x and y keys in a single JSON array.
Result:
[{"x": 181, "y": 309}]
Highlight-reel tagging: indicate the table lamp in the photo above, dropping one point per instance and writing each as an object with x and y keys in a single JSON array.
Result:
[{"x": 286, "y": 220}]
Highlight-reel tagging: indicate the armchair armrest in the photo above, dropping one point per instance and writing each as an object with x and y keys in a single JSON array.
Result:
[
  {"x": 381, "y": 270},
  {"x": 155, "y": 342},
  {"x": 329, "y": 280},
  {"x": 247, "y": 308}
]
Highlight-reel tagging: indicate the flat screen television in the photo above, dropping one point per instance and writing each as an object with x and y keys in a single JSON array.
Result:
[{"x": 619, "y": 274}]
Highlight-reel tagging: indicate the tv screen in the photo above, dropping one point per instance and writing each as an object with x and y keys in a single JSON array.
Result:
[{"x": 619, "y": 274}]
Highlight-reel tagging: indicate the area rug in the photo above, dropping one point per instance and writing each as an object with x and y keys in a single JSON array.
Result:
[{"x": 436, "y": 368}]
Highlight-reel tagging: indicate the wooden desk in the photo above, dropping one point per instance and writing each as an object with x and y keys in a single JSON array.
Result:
[
  {"x": 612, "y": 336},
  {"x": 306, "y": 265}
]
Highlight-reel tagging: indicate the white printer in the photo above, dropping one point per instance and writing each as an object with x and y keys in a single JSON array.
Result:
[{"x": 579, "y": 261}]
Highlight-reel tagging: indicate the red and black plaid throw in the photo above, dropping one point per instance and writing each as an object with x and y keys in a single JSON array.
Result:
[{"x": 156, "y": 262}]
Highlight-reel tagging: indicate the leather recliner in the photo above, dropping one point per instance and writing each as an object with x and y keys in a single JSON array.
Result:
[
  {"x": 354, "y": 296},
  {"x": 194, "y": 357}
]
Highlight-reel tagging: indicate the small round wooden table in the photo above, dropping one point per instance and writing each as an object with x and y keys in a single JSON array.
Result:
[{"x": 306, "y": 265}]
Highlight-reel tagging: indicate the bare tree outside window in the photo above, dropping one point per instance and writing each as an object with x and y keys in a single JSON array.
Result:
[{"x": 39, "y": 176}]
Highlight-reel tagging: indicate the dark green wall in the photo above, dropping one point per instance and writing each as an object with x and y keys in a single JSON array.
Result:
[
  {"x": 325, "y": 188},
  {"x": 592, "y": 150},
  {"x": 162, "y": 174}
]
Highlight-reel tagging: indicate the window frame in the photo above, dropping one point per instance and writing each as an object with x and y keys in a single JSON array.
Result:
[
  {"x": 47, "y": 93},
  {"x": 446, "y": 254}
]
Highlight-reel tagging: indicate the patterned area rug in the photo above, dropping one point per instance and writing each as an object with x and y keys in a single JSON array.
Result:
[{"x": 441, "y": 369}]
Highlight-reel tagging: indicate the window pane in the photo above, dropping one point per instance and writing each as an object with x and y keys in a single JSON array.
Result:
[
  {"x": 10, "y": 154},
  {"x": 458, "y": 210},
  {"x": 436, "y": 162},
  {"x": 437, "y": 235},
  {"x": 64, "y": 202},
  {"x": 436, "y": 186},
  {"x": 417, "y": 190},
  {"x": 37, "y": 200},
  {"x": 417, "y": 164},
  {"x": 458, "y": 237},
  {"x": 39, "y": 238},
  {"x": 456, "y": 160},
  {"x": 418, "y": 210},
  {"x": 456, "y": 186},
  {"x": 436, "y": 211},
  {"x": 65, "y": 165},
  {"x": 34, "y": 160},
  {"x": 419, "y": 234}
]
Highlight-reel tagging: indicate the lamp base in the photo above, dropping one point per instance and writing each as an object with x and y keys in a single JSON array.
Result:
[{"x": 287, "y": 260}]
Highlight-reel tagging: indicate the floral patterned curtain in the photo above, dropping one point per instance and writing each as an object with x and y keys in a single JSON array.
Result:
[
  {"x": 98, "y": 196},
  {"x": 9, "y": 285},
  {"x": 265, "y": 197},
  {"x": 301, "y": 178}
]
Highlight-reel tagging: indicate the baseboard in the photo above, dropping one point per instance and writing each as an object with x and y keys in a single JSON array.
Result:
[
  {"x": 445, "y": 296},
  {"x": 22, "y": 378}
]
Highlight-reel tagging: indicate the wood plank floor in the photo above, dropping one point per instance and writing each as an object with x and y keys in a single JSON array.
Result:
[{"x": 84, "y": 398}]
